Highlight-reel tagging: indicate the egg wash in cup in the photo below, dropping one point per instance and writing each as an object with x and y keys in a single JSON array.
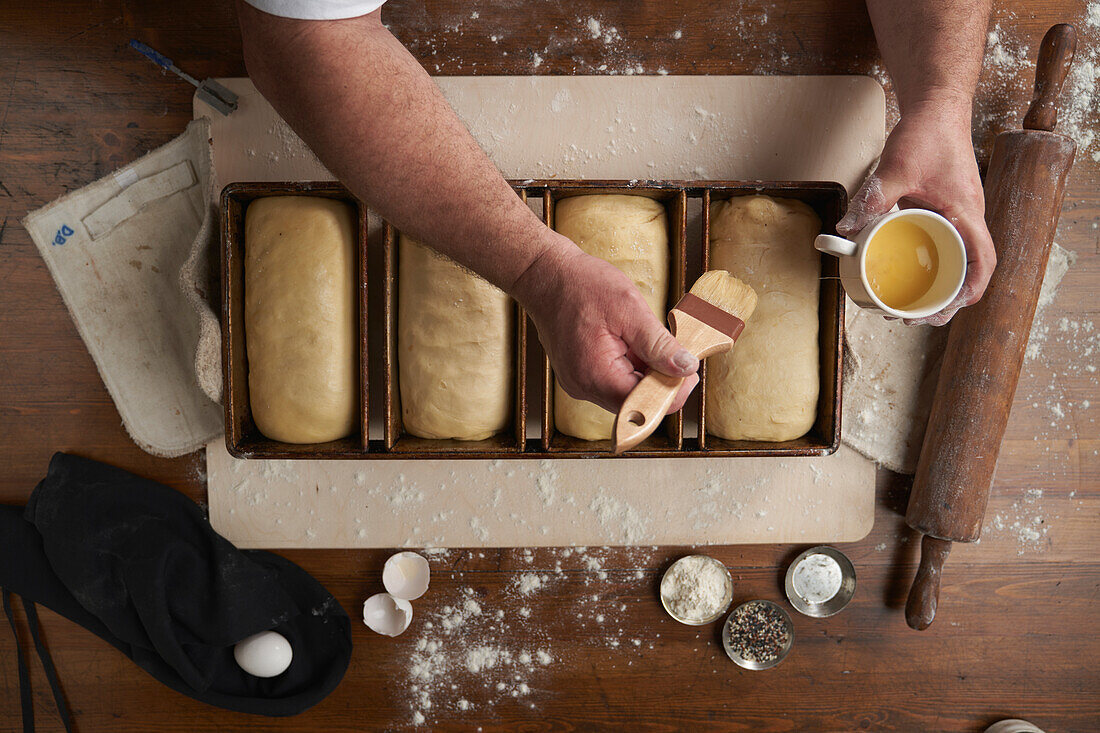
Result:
[
  {"x": 907, "y": 264},
  {"x": 902, "y": 263}
]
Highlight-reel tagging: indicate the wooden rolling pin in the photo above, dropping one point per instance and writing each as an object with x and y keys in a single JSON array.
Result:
[{"x": 1024, "y": 187}]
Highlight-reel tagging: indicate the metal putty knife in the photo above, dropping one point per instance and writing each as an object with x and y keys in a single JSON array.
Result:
[{"x": 210, "y": 91}]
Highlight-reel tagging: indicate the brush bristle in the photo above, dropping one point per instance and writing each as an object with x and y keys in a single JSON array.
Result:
[{"x": 723, "y": 290}]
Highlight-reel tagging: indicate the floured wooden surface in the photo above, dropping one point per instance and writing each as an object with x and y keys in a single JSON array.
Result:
[
  {"x": 890, "y": 374},
  {"x": 891, "y": 370},
  {"x": 528, "y": 503},
  {"x": 645, "y": 127},
  {"x": 779, "y": 128}
]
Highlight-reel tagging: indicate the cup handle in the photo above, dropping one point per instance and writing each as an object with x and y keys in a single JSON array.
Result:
[{"x": 838, "y": 246}]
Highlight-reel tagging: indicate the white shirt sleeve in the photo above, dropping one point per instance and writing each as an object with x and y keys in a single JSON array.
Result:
[{"x": 317, "y": 9}]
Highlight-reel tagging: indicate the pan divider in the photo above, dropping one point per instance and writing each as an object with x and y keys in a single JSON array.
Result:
[
  {"x": 364, "y": 350},
  {"x": 391, "y": 417},
  {"x": 519, "y": 394},
  {"x": 547, "y": 437},
  {"x": 701, "y": 439}
]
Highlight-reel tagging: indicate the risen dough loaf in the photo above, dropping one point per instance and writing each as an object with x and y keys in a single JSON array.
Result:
[
  {"x": 630, "y": 232},
  {"x": 455, "y": 348},
  {"x": 766, "y": 388},
  {"x": 300, "y": 317}
]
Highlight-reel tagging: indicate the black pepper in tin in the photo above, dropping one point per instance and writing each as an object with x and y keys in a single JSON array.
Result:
[{"x": 758, "y": 634}]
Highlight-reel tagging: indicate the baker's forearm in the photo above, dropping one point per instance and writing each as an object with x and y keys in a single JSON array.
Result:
[
  {"x": 376, "y": 119},
  {"x": 378, "y": 122},
  {"x": 932, "y": 48}
]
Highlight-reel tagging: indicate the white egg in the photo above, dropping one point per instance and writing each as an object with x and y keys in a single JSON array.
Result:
[
  {"x": 406, "y": 575},
  {"x": 266, "y": 654},
  {"x": 387, "y": 615}
]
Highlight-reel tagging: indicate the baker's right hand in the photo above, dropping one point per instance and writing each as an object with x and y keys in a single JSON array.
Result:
[{"x": 597, "y": 328}]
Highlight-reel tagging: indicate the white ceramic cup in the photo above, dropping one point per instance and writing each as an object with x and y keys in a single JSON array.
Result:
[{"x": 853, "y": 263}]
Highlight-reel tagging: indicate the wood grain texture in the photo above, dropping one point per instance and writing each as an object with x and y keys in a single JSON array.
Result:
[{"x": 1012, "y": 638}]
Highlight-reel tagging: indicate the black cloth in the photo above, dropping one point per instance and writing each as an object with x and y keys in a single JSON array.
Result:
[
  {"x": 137, "y": 564},
  {"x": 25, "y": 698}
]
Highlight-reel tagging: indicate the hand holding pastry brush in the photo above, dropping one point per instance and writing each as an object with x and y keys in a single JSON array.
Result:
[{"x": 706, "y": 321}]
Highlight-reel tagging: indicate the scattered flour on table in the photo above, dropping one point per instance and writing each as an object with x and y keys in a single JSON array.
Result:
[
  {"x": 1025, "y": 521},
  {"x": 287, "y": 144},
  {"x": 198, "y": 468},
  {"x": 1003, "y": 79},
  {"x": 1061, "y": 260},
  {"x": 1055, "y": 393},
  {"x": 463, "y": 648},
  {"x": 547, "y": 489},
  {"x": 470, "y": 654},
  {"x": 530, "y": 501},
  {"x": 1008, "y": 74},
  {"x": 623, "y": 521},
  {"x": 724, "y": 497},
  {"x": 1043, "y": 388},
  {"x": 479, "y": 529},
  {"x": 1057, "y": 266},
  {"x": 1004, "y": 55},
  {"x": 402, "y": 492},
  {"x": 1080, "y": 109},
  {"x": 528, "y": 583},
  {"x": 597, "y": 30}
]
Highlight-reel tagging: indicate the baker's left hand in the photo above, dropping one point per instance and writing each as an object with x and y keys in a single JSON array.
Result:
[{"x": 928, "y": 162}]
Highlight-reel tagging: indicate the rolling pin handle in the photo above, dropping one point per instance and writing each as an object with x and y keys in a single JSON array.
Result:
[
  {"x": 1051, "y": 69},
  {"x": 920, "y": 609}
]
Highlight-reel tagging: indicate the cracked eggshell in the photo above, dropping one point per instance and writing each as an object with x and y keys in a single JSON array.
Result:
[
  {"x": 406, "y": 575},
  {"x": 387, "y": 615}
]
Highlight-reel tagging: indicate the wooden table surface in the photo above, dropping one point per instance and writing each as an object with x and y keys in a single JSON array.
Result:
[{"x": 1016, "y": 632}]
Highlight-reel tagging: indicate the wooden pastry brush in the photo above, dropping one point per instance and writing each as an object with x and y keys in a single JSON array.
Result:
[{"x": 706, "y": 321}]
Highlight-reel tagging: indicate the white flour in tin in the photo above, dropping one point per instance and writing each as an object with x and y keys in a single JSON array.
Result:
[{"x": 695, "y": 588}]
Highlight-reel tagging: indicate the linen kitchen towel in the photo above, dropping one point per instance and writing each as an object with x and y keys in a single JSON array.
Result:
[{"x": 115, "y": 249}]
